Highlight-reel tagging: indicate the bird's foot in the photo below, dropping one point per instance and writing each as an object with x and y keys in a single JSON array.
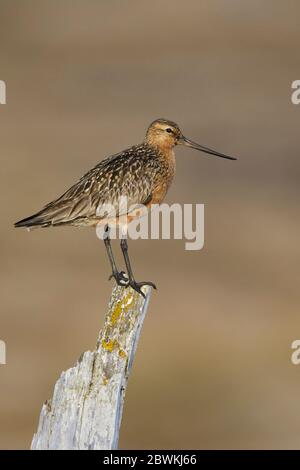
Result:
[
  {"x": 138, "y": 285},
  {"x": 120, "y": 278}
]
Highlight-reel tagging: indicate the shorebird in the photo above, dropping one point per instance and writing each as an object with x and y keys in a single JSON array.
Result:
[{"x": 142, "y": 173}]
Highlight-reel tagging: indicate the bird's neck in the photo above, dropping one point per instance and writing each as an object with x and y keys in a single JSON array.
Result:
[
  {"x": 162, "y": 143},
  {"x": 166, "y": 155},
  {"x": 162, "y": 146}
]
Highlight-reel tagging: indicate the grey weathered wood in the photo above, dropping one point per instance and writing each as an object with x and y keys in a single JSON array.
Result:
[{"x": 86, "y": 409}]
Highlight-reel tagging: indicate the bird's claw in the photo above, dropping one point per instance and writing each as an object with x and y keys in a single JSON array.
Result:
[
  {"x": 123, "y": 281},
  {"x": 120, "y": 278},
  {"x": 137, "y": 286}
]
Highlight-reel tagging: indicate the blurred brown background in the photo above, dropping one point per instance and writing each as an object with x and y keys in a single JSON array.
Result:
[{"x": 84, "y": 80}]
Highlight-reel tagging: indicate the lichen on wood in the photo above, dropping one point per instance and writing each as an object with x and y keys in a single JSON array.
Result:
[{"x": 86, "y": 409}]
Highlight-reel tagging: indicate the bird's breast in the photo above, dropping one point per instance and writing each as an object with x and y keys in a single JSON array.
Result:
[
  {"x": 170, "y": 166},
  {"x": 164, "y": 177}
]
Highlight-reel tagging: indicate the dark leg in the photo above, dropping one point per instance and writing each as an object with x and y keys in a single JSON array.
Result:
[
  {"x": 120, "y": 277},
  {"x": 132, "y": 282}
]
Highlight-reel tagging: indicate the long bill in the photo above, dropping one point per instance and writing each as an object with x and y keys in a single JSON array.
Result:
[{"x": 189, "y": 143}]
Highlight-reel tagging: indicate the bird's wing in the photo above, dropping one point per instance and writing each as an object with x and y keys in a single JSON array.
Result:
[{"x": 101, "y": 191}]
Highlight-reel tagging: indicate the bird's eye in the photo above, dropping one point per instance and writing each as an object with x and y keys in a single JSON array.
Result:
[{"x": 169, "y": 130}]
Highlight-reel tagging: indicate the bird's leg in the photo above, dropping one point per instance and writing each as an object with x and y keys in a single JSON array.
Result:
[
  {"x": 120, "y": 277},
  {"x": 132, "y": 282}
]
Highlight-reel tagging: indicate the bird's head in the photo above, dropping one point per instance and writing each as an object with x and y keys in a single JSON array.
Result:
[{"x": 165, "y": 134}]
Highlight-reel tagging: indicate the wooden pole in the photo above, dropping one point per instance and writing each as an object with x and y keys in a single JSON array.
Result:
[{"x": 86, "y": 409}]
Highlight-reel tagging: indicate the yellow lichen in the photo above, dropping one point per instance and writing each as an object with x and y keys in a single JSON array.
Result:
[
  {"x": 109, "y": 345},
  {"x": 122, "y": 353},
  {"x": 121, "y": 307},
  {"x": 127, "y": 301},
  {"x": 116, "y": 313}
]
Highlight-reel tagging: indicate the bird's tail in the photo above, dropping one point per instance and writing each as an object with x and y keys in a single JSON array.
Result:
[
  {"x": 35, "y": 220},
  {"x": 56, "y": 213}
]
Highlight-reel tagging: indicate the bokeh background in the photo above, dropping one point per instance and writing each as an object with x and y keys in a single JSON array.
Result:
[{"x": 84, "y": 79}]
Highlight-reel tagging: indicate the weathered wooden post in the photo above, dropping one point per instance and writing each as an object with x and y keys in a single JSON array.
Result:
[{"x": 86, "y": 409}]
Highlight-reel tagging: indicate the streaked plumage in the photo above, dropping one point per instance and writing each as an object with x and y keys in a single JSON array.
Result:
[
  {"x": 142, "y": 173},
  {"x": 136, "y": 173}
]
